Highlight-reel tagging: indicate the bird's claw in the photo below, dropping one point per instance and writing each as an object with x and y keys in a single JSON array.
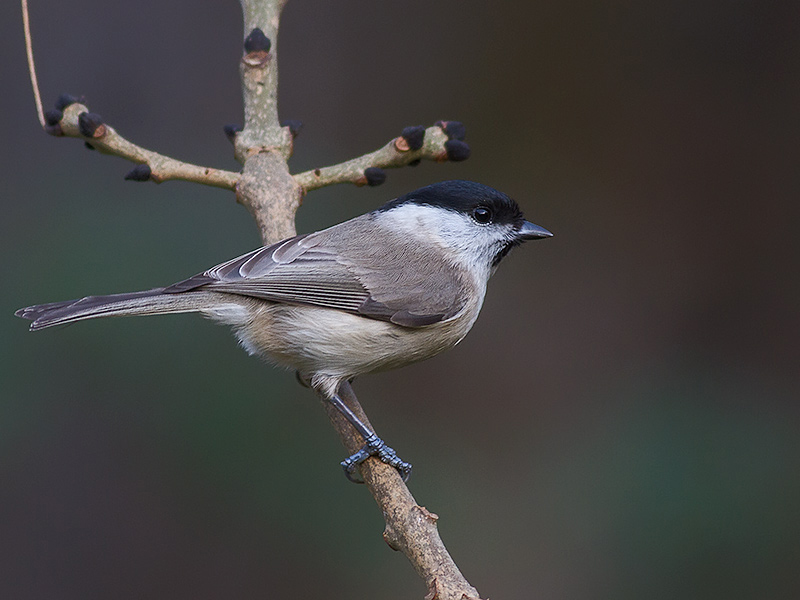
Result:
[{"x": 374, "y": 446}]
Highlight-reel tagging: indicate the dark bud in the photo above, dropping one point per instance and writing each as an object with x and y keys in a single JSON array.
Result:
[
  {"x": 293, "y": 125},
  {"x": 54, "y": 130},
  {"x": 53, "y": 116},
  {"x": 415, "y": 162},
  {"x": 375, "y": 176},
  {"x": 89, "y": 146},
  {"x": 414, "y": 136},
  {"x": 456, "y": 150},
  {"x": 454, "y": 130},
  {"x": 89, "y": 124},
  {"x": 257, "y": 42},
  {"x": 231, "y": 131},
  {"x": 139, "y": 173},
  {"x": 64, "y": 100}
]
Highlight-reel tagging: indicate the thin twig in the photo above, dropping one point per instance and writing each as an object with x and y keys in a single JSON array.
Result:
[
  {"x": 108, "y": 141},
  {"x": 31, "y": 65},
  {"x": 392, "y": 155},
  {"x": 160, "y": 168}
]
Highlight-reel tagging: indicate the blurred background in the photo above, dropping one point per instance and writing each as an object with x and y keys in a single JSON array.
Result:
[{"x": 622, "y": 422}]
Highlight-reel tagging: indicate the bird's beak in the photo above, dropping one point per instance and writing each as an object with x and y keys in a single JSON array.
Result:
[{"x": 529, "y": 231}]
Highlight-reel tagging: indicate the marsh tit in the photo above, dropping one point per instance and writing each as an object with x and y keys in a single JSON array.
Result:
[{"x": 380, "y": 291}]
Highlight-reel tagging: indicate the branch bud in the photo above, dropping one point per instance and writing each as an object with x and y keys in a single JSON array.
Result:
[
  {"x": 256, "y": 46},
  {"x": 53, "y": 116},
  {"x": 54, "y": 130},
  {"x": 91, "y": 125},
  {"x": 293, "y": 125},
  {"x": 454, "y": 130},
  {"x": 231, "y": 131},
  {"x": 64, "y": 100},
  {"x": 411, "y": 138},
  {"x": 257, "y": 42},
  {"x": 456, "y": 150},
  {"x": 374, "y": 176},
  {"x": 139, "y": 173}
]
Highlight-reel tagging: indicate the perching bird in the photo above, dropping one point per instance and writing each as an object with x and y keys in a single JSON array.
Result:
[{"x": 380, "y": 291}]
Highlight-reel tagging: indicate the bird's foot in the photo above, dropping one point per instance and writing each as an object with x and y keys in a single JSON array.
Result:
[{"x": 374, "y": 446}]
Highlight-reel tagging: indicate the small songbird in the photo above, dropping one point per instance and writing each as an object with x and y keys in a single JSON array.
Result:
[{"x": 394, "y": 286}]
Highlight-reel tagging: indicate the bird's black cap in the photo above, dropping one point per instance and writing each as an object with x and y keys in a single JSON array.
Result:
[{"x": 463, "y": 197}]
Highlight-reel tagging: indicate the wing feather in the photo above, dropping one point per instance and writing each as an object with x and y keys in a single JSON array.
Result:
[{"x": 330, "y": 270}]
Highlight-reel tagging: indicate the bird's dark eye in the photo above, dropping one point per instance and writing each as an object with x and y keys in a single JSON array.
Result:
[{"x": 482, "y": 215}]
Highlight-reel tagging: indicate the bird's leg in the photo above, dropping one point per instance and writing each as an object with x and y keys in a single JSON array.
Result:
[{"x": 373, "y": 446}]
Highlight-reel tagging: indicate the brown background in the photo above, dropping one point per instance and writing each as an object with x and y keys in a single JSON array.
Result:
[{"x": 621, "y": 423}]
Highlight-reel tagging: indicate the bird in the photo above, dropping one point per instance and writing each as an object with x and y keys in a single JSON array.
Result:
[{"x": 391, "y": 287}]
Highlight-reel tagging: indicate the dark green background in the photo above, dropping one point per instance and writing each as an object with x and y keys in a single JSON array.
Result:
[{"x": 623, "y": 421}]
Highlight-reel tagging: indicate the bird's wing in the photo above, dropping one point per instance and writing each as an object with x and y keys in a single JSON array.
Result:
[{"x": 332, "y": 269}]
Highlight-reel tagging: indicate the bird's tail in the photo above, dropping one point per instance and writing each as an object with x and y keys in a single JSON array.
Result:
[{"x": 149, "y": 302}]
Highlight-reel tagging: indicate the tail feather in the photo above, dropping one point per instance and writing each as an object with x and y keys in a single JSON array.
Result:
[{"x": 149, "y": 302}]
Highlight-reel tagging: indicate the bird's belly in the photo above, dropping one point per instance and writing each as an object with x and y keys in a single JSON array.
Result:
[{"x": 336, "y": 344}]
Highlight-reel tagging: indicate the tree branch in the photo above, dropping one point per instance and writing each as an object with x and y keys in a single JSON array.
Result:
[
  {"x": 73, "y": 119},
  {"x": 259, "y": 73},
  {"x": 272, "y": 195},
  {"x": 416, "y": 143},
  {"x": 410, "y": 528},
  {"x": 267, "y": 188}
]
